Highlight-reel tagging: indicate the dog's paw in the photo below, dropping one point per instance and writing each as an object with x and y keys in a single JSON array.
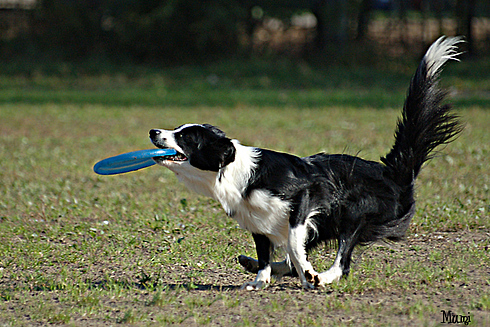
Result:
[
  {"x": 330, "y": 276},
  {"x": 255, "y": 285},
  {"x": 319, "y": 280},
  {"x": 262, "y": 281},
  {"x": 311, "y": 280},
  {"x": 249, "y": 264}
]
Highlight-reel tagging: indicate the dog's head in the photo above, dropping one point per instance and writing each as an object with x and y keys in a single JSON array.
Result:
[{"x": 204, "y": 147}]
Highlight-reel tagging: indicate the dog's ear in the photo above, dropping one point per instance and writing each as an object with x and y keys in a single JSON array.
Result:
[
  {"x": 227, "y": 151},
  {"x": 215, "y": 130},
  {"x": 214, "y": 155}
]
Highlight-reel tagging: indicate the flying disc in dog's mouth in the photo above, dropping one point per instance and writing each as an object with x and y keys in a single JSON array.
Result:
[
  {"x": 176, "y": 157},
  {"x": 132, "y": 161}
]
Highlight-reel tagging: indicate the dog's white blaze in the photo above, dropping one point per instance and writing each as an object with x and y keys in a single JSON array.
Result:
[
  {"x": 184, "y": 126},
  {"x": 260, "y": 212},
  {"x": 168, "y": 137}
]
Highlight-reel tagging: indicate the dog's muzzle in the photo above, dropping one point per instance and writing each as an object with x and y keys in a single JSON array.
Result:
[
  {"x": 161, "y": 143},
  {"x": 154, "y": 134}
]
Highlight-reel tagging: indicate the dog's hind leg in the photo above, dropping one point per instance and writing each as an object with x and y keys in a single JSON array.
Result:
[
  {"x": 297, "y": 253},
  {"x": 336, "y": 270},
  {"x": 303, "y": 209},
  {"x": 341, "y": 265}
]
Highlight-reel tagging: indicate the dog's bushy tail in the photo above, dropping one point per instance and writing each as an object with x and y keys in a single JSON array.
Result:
[{"x": 426, "y": 122}]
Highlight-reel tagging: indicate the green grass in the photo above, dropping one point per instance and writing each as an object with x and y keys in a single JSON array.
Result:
[
  {"x": 236, "y": 84},
  {"x": 139, "y": 249}
]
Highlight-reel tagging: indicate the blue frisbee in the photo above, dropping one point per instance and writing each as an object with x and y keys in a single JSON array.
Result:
[{"x": 130, "y": 161}]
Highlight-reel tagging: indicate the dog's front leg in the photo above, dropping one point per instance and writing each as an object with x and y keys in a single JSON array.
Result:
[{"x": 264, "y": 248}]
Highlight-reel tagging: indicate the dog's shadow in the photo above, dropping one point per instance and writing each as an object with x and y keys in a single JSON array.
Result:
[
  {"x": 105, "y": 284},
  {"x": 200, "y": 287}
]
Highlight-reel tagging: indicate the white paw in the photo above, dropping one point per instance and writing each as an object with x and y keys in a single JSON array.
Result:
[
  {"x": 315, "y": 279},
  {"x": 330, "y": 276},
  {"x": 255, "y": 285},
  {"x": 262, "y": 281}
]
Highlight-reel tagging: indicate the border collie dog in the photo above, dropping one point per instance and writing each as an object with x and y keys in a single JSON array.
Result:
[{"x": 298, "y": 203}]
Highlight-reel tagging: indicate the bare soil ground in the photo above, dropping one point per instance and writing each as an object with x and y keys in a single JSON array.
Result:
[{"x": 214, "y": 298}]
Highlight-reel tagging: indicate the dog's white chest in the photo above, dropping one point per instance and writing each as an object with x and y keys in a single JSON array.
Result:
[{"x": 261, "y": 213}]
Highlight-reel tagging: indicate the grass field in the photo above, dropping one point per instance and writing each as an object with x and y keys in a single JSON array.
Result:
[{"x": 139, "y": 249}]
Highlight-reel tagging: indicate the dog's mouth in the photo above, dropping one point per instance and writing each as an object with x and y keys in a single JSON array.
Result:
[{"x": 175, "y": 157}]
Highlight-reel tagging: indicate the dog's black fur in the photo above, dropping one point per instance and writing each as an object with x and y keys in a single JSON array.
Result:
[{"x": 299, "y": 203}]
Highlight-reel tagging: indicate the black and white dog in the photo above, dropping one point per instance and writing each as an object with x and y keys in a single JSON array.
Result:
[{"x": 299, "y": 203}]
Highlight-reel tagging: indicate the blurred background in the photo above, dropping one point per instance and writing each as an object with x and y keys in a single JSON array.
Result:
[{"x": 182, "y": 32}]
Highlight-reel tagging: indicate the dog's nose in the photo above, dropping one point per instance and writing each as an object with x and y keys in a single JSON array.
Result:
[{"x": 154, "y": 133}]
